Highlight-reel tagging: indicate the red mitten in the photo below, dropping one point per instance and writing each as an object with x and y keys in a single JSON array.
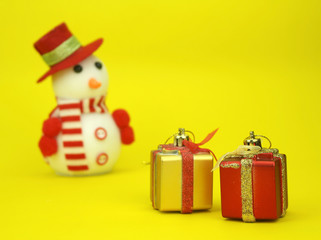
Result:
[
  {"x": 127, "y": 135},
  {"x": 121, "y": 118},
  {"x": 51, "y": 127},
  {"x": 48, "y": 146}
]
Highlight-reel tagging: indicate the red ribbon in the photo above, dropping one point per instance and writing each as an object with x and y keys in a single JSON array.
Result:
[{"x": 194, "y": 147}]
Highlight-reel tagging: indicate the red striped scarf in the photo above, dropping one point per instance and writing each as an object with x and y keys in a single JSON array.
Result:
[{"x": 69, "y": 111}]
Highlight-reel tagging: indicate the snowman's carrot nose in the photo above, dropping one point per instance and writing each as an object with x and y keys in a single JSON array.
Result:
[{"x": 93, "y": 83}]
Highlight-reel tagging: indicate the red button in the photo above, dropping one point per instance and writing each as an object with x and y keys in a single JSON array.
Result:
[
  {"x": 102, "y": 159},
  {"x": 101, "y": 133}
]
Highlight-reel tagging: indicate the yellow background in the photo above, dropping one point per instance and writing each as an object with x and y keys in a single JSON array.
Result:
[{"x": 236, "y": 65}]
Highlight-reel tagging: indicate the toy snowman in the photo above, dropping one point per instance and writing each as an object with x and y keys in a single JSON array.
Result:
[{"x": 80, "y": 137}]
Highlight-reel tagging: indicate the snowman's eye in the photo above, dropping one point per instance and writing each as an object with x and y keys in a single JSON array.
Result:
[
  {"x": 98, "y": 65},
  {"x": 77, "y": 68}
]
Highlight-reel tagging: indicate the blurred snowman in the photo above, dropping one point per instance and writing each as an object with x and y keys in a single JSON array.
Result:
[{"x": 80, "y": 137}]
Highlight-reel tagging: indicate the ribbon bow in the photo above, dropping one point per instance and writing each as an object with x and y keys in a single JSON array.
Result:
[
  {"x": 194, "y": 147},
  {"x": 242, "y": 150}
]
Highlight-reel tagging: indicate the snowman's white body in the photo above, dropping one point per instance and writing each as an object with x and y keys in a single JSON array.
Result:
[
  {"x": 100, "y": 134},
  {"x": 93, "y": 146}
]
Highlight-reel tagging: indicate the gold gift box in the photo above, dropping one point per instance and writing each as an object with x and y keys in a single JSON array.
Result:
[{"x": 166, "y": 180}]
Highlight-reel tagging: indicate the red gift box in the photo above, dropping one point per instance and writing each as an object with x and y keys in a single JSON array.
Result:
[{"x": 254, "y": 185}]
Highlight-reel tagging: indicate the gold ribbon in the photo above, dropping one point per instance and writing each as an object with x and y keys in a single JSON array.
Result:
[
  {"x": 246, "y": 190},
  {"x": 243, "y": 150},
  {"x": 284, "y": 184},
  {"x": 61, "y": 52}
]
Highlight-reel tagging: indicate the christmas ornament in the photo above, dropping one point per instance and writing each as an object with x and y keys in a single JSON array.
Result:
[
  {"x": 181, "y": 177},
  {"x": 80, "y": 137},
  {"x": 253, "y": 181}
]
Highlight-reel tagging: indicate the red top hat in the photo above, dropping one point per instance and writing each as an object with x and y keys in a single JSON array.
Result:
[{"x": 61, "y": 50}]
